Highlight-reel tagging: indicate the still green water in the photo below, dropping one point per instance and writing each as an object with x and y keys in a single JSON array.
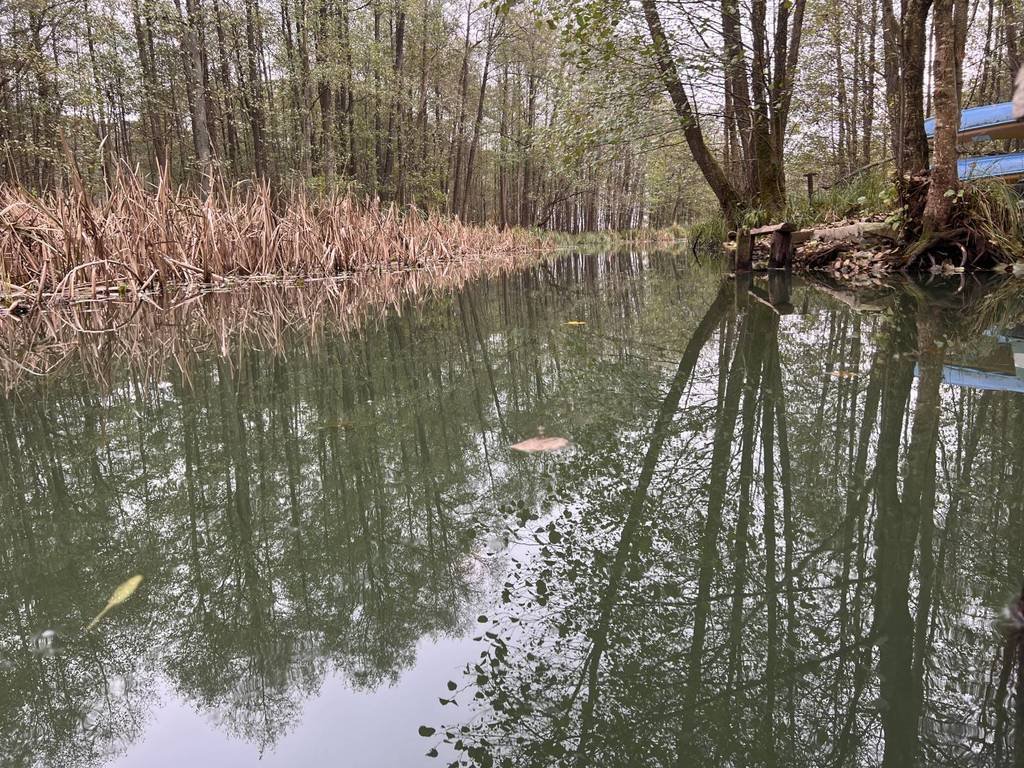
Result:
[{"x": 776, "y": 539}]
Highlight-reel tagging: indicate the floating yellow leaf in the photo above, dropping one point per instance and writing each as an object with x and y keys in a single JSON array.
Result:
[
  {"x": 575, "y": 322},
  {"x": 541, "y": 444},
  {"x": 124, "y": 590}
]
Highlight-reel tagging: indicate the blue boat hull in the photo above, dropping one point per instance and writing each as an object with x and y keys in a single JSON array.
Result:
[
  {"x": 1007, "y": 167},
  {"x": 992, "y": 121}
]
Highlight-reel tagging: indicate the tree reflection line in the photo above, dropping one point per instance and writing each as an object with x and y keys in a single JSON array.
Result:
[{"x": 890, "y": 551}]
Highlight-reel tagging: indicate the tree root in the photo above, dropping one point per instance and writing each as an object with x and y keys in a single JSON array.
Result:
[{"x": 937, "y": 246}]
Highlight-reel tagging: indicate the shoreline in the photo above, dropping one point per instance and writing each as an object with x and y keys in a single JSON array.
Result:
[{"x": 135, "y": 241}]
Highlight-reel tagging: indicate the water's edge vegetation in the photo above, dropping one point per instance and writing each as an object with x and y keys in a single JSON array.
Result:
[
  {"x": 138, "y": 239},
  {"x": 135, "y": 239},
  {"x": 175, "y": 326}
]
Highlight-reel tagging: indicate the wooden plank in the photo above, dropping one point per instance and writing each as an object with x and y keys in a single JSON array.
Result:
[
  {"x": 770, "y": 229},
  {"x": 744, "y": 251},
  {"x": 744, "y": 280},
  {"x": 801, "y": 236},
  {"x": 782, "y": 250},
  {"x": 863, "y": 230}
]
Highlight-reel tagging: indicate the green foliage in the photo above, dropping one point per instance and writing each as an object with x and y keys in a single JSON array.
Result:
[
  {"x": 713, "y": 228},
  {"x": 994, "y": 210},
  {"x": 605, "y": 238},
  {"x": 864, "y": 195}
]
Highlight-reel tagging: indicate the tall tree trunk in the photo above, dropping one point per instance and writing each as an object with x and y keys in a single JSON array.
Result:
[
  {"x": 943, "y": 183},
  {"x": 376, "y": 167},
  {"x": 768, "y": 192},
  {"x": 787, "y": 56},
  {"x": 305, "y": 89},
  {"x": 503, "y": 151},
  {"x": 728, "y": 200},
  {"x": 150, "y": 100},
  {"x": 225, "y": 88},
  {"x": 493, "y": 31},
  {"x": 196, "y": 73},
  {"x": 842, "y": 155},
  {"x": 891, "y": 69},
  {"x": 912, "y": 154},
  {"x": 1011, "y": 31},
  {"x": 868, "y": 103},
  {"x": 737, "y": 99},
  {"x": 102, "y": 125},
  {"x": 254, "y": 90},
  {"x": 960, "y": 15},
  {"x": 346, "y": 98},
  {"x": 457, "y": 132},
  {"x": 325, "y": 95},
  {"x": 393, "y": 113},
  {"x": 526, "y": 200}
]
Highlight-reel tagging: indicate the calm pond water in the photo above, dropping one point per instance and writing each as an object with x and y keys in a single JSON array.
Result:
[{"x": 777, "y": 539}]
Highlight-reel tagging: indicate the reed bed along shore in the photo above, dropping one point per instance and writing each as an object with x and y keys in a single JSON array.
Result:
[
  {"x": 95, "y": 338},
  {"x": 68, "y": 246}
]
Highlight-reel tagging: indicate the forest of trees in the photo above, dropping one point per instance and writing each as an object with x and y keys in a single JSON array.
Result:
[{"x": 567, "y": 114}]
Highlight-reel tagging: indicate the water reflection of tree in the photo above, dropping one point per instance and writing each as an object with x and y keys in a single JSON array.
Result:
[
  {"x": 838, "y": 606},
  {"x": 295, "y": 513}
]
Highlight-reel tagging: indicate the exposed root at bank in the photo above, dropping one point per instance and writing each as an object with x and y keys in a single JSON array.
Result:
[{"x": 986, "y": 233}]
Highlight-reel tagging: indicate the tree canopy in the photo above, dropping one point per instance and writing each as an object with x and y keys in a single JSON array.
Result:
[{"x": 568, "y": 114}]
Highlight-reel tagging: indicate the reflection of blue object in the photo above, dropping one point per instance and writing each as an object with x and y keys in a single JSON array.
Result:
[
  {"x": 991, "y": 167},
  {"x": 973, "y": 378},
  {"x": 979, "y": 118}
]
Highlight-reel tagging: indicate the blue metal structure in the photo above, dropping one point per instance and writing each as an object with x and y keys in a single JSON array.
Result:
[
  {"x": 1009, "y": 167},
  {"x": 985, "y": 123},
  {"x": 991, "y": 121},
  {"x": 972, "y": 378}
]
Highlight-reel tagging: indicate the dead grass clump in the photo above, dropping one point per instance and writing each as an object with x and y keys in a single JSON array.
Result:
[{"x": 66, "y": 246}]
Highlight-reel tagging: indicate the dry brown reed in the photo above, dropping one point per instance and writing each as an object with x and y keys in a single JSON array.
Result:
[
  {"x": 96, "y": 338},
  {"x": 67, "y": 245}
]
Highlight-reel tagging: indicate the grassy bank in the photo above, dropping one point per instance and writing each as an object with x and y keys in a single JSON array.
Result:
[
  {"x": 615, "y": 238},
  {"x": 869, "y": 194},
  {"x": 136, "y": 239}
]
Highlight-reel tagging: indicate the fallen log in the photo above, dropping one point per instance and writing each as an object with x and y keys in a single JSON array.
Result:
[{"x": 862, "y": 230}]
